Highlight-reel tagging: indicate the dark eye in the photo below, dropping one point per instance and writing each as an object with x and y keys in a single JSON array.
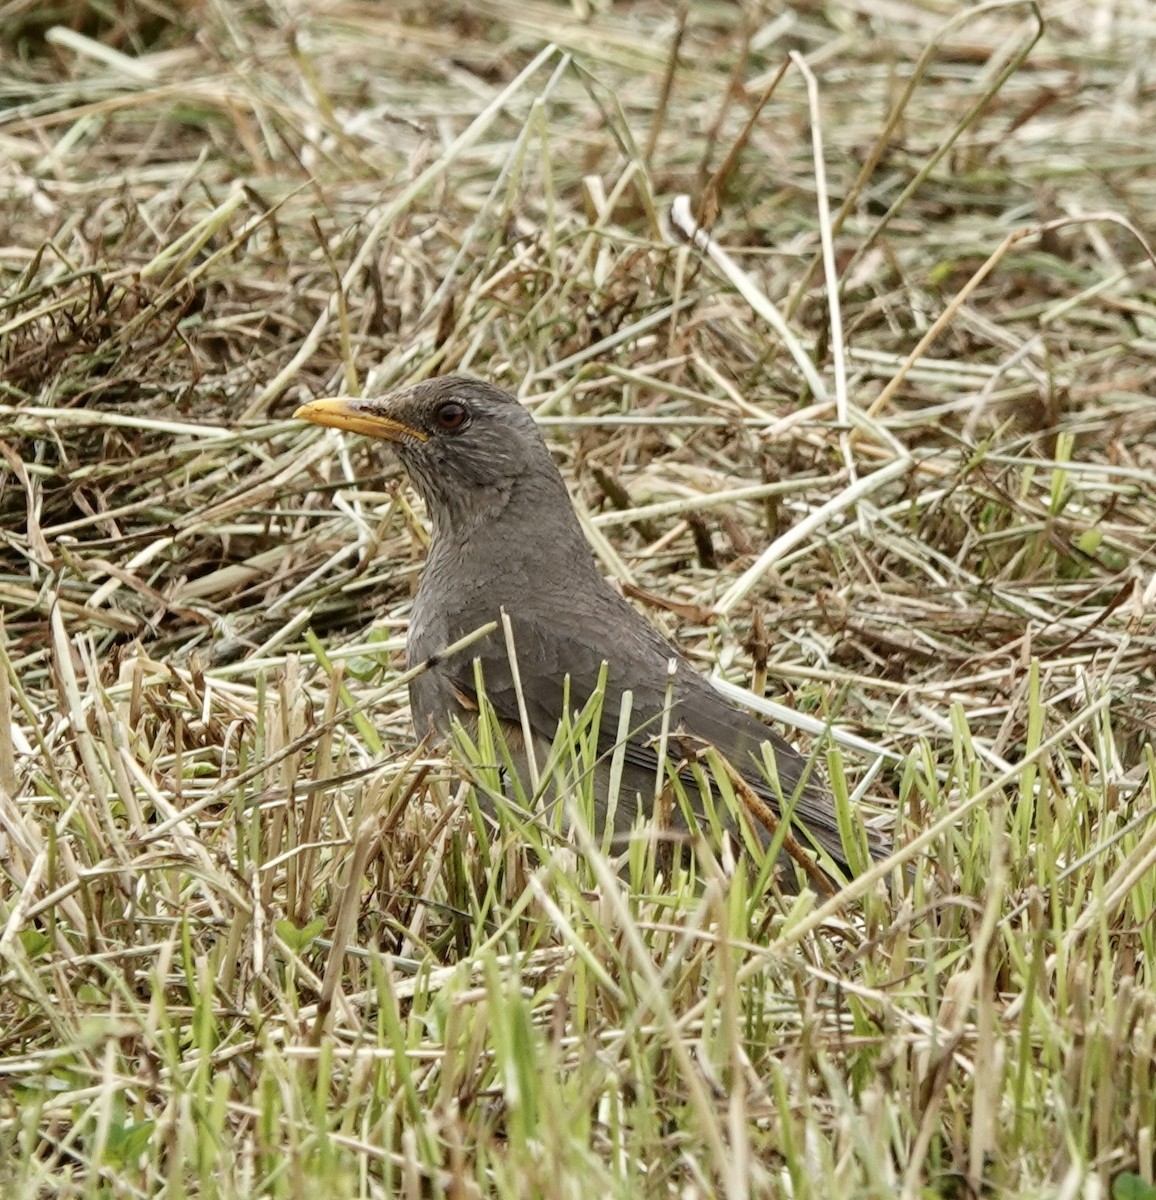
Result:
[{"x": 451, "y": 415}]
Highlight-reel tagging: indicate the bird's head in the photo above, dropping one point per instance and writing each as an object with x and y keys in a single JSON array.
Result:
[{"x": 468, "y": 446}]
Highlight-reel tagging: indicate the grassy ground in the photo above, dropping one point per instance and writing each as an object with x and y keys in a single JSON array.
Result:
[{"x": 249, "y": 940}]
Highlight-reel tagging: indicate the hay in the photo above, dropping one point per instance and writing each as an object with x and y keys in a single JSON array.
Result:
[{"x": 246, "y": 940}]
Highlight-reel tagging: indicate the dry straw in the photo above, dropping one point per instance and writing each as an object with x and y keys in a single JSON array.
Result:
[{"x": 866, "y": 421}]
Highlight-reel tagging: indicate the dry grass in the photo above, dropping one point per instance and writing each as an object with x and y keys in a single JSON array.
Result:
[{"x": 249, "y": 943}]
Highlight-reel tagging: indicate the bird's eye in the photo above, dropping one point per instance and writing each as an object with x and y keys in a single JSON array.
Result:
[{"x": 451, "y": 415}]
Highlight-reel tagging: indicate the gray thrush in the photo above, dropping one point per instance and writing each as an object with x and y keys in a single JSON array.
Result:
[{"x": 505, "y": 537}]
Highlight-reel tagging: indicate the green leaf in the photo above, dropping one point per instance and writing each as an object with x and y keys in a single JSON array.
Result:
[
  {"x": 299, "y": 939},
  {"x": 1089, "y": 541},
  {"x": 1127, "y": 1186},
  {"x": 126, "y": 1143},
  {"x": 34, "y": 942}
]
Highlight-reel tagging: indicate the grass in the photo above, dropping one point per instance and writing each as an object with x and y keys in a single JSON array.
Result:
[{"x": 253, "y": 939}]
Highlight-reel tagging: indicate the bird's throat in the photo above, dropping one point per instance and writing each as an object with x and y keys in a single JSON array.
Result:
[{"x": 496, "y": 539}]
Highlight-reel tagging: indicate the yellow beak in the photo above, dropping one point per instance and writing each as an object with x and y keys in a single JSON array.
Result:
[{"x": 356, "y": 416}]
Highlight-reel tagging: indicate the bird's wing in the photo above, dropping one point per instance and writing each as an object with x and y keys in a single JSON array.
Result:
[{"x": 548, "y": 654}]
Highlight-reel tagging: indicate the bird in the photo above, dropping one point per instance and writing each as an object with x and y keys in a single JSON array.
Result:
[{"x": 505, "y": 539}]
